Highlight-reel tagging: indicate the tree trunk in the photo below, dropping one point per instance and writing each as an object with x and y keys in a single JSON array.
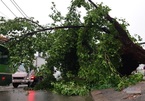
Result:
[{"x": 132, "y": 54}]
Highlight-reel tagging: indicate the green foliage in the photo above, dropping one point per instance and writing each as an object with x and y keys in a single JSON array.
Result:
[
  {"x": 45, "y": 84},
  {"x": 22, "y": 48},
  {"x": 88, "y": 57},
  {"x": 69, "y": 88},
  {"x": 131, "y": 80},
  {"x": 43, "y": 71}
]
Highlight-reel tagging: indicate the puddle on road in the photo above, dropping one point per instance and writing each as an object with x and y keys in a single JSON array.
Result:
[{"x": 21, "y": 95}]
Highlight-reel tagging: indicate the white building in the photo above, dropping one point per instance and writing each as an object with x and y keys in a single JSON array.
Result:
[{"x": 39, "y": 61}]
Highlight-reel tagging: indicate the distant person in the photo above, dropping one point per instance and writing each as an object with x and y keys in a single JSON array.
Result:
[{"x": 57, "y": 74}]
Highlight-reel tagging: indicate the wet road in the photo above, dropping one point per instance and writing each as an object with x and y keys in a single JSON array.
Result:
[{"x": 8, "y": 93}]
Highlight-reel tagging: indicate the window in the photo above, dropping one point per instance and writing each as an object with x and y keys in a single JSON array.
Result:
[{"x": 3, "y": 55}]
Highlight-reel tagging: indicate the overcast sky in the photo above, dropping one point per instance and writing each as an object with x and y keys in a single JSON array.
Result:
[{"x": 131, "y": 10}]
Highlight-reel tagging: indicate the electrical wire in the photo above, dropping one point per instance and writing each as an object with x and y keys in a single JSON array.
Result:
[
  {"x": 9, "y": 9},
  {"x": 20, "y": 8},
  {"x": 17, "y": 8}
]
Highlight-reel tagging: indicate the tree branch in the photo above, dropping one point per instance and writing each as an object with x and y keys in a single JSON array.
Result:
[
  {"x": 32, "y": 22},
  {"x": 54, "y": 28},
  {"x": 41, "y": 30},
  {"x": 122, "y": 33}
]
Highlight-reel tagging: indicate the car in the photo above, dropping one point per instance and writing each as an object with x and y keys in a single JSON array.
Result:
[{"x": 22, "y": 77}]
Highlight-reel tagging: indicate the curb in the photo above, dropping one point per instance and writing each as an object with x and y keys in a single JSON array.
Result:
[{"x": 98, "y": 96}]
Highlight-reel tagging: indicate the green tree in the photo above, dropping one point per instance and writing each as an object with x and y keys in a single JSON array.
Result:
[
  {"x": 86, "y": 49},
  {"x": 21, "y": 46}
]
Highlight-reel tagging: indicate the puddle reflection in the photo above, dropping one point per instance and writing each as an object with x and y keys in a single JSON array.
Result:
[{"x": 31, "y": 95}]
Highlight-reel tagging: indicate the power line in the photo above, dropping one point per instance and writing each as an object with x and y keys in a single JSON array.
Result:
[
  {"x": 20, "y": 8},
  {"x": 9, "y": 9},
  {"x": 17, "y": 8}
]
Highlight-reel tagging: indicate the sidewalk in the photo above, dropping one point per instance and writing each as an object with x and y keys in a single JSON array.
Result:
[{"x": 132, "y": 93}]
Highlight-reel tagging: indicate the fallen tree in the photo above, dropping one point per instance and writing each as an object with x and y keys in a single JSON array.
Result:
[
  {"x": 132, "y": 54},
  {"x": 90, "y": 53}
]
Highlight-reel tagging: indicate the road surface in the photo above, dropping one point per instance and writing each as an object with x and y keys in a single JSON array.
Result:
[{"x": 8, "y": 93}]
